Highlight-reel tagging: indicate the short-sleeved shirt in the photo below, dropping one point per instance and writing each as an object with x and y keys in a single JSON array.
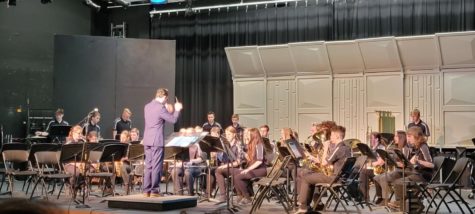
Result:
[
  {"x": 260, "y": 155},
  {"x": 56, "y": 123},
  {"x": 88, "y": 127},
  {"x": 223, "y": 157},
  {"x": 207, "y": 127},
  {"x": 121, "y": 125},
  {"x": 338, "y": 155},
  {"x": 195, "y": 151},
  {"x": 423, "y": 154},
  {"x": 422, "y": 125}
]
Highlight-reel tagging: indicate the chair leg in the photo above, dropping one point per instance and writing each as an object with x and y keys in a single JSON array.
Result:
[
  {"x": 34, "y": 188},
  {"x": 60, "y": 190},
  {"x": 3, "y": 180},
  {"x": 443, "y": 198},
  {"x": 454, "y": 200},
  {"x": 464, "y": 202}
]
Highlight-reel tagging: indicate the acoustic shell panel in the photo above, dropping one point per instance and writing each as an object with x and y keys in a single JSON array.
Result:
[
  {"x": 380, "y": 54},
  {"x": 384, "y": 91},
  {"x": 249, "y": 96},
  {"x": 459, "y": 128},
  {"x": 310, "y": 58},
  {"x": 345, "y": 57},
  {"x": 244, "y": 61},
  {"x": 457, "y": 49},
  {"x": 418, "y": 52},
  {"x": 459, "y": 89},
  {"x": 276, "y": 60}
]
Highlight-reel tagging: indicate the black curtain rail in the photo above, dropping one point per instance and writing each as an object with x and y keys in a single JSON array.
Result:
[{"x": 236, "y": 5}]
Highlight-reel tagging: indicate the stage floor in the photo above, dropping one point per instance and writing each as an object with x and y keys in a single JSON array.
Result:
[{"x": 99, "y": 206}]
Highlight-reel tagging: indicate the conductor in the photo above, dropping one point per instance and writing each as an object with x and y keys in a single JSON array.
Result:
[{"x": 156, "y": 113}]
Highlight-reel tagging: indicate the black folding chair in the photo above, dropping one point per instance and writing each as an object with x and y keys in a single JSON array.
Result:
[
  {"x": 110, "y": 154},
  {"x": 349, "y": 187},
  {"x": 450, "y": 186},
  {"x": 441, "y": 163},
  {"x": 343, "y": 174},
  {"x": 271, "y": 183}
]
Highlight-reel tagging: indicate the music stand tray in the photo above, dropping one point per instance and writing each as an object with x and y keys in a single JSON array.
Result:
[
  {"x": 365, "y": 150},
  {"x": 386, "y": 157},
  {"x": 60, "y": 132}
]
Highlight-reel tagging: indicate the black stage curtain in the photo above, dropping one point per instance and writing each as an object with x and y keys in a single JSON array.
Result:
[{"x": 203, "y": 76}]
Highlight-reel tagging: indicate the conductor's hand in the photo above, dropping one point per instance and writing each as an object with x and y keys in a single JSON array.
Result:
[{"x": 178, "y": 106}]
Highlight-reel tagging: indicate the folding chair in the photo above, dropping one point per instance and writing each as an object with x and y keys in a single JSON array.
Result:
[
  {"x": 37, "y": 147},
  {"x": 49, "y": 169},
  {"x": 135, "y": 156},
  {"x": 271, "y": 183},
  {"x": 16, "y": 153},
  {"x": 450, "y": 185},
  {"x": 336, "y": 183},
  {"x": 349, "y": 187},
  {"x": 440, "y": 162},
  {"x": 110, "y": 154}
]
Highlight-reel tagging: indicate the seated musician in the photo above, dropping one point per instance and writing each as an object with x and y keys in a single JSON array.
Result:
[
  {"x": 382, "y": 181},
  {"x": 124, "y": 136},
  {"x": 256, "y": 167},
  {"x": 75, "y": 136},
  {"x": 268, "y": 146},
  {"x": 186, "y": 172},
  {"x": 223, "y": 160},
  {"x": 339, "y": 153},
  {"x": 374, "y": 167},
  {"x": 421, "y": 163},
  {"x": 92, "y": 137},
  {"x": 134, "y": 134}
]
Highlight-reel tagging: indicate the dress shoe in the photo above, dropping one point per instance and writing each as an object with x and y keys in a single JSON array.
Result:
[{"x": 155, "y": 195}]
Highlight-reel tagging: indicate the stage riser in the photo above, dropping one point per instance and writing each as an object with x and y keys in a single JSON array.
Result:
[{"x": 136, "y": 202}]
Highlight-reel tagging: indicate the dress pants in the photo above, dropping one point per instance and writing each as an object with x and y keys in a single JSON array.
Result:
[
  {"x": 185, "y": 176},
  {"x": 240, "y": 180},
  {"x": 153, "y": 169},
  {"x": 382, "y": 182},
  {"x": 307, "y": 187}
]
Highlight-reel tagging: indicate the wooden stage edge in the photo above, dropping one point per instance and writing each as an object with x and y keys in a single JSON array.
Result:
[{"x": 138, "y": 202}]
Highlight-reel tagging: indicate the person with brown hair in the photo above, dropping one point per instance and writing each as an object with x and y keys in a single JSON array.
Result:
[
  {"x": 124, "y": 136},
  {"x": 255, "y": 166},
  {"x": 224, "y": 162},
  {"x": 421, "y": 160},
  {"x": 236, "y": 125},
  {"x": 382, "y": 181},
  {"x": 75, "y": 135},
  {"x": 337, "y": 158}
]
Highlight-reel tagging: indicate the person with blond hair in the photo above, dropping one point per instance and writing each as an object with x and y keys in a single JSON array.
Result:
[{"x": 122, "y": 123}]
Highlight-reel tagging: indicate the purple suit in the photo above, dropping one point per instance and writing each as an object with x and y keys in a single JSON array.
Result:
[{"x": 155, "y": 116}]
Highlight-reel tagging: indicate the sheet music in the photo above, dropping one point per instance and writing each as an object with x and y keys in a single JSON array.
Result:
[{"x": 182, "y": 141}]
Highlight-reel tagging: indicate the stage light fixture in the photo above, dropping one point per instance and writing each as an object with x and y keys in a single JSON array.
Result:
[
  {"x": 122, "y": 3},
  {"x": 92, "y": 5},
  {"x": 45, "y": 1}
]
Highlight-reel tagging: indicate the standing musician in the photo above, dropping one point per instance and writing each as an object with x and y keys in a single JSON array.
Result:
[
  {"x": 156, "y": 113},
  {"x": 255, "y": 166},
  {"x": 58, "y": 121},
  {"x": 236, "y": 125},
  {"x": 421, "y": 161},
  {"x": 375, "y": 167},
  {"x": 123, "y": 123},
  {"x": 382, "y": 181},
  {"x": 339, "y": 153},
  {"x": 224, "y": 162},
  {"x": 92, "y": 124},
  {"x": 416, "y": 121},
  {"x": 211, "y": 123}
]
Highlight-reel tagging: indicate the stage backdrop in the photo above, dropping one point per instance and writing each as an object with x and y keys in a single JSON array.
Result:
[{"x": 110, "y": 74}]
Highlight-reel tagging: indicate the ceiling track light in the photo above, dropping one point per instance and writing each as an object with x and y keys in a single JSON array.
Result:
[{"x": 92, "y": 5}]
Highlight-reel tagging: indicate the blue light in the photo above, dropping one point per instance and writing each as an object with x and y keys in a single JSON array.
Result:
[{"x": 158, "y": 1}]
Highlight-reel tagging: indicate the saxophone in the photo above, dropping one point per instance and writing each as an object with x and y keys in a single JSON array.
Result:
[{"x": 319, "y": 153}]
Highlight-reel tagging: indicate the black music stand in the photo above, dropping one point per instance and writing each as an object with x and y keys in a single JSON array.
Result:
[
  {"x": 72, "y": 153},
  {"x": 231, "y": 158},
  {"x": 176, "y": 147},
  {"x": 210, "y": 144},
  {"x": 135, "y": 142},
  {"x": 59, "y": 133},
  {"x": 365, "y": 150},
  {"x": 292, "y": 149},
  {"x": 391, "y": 162}
]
